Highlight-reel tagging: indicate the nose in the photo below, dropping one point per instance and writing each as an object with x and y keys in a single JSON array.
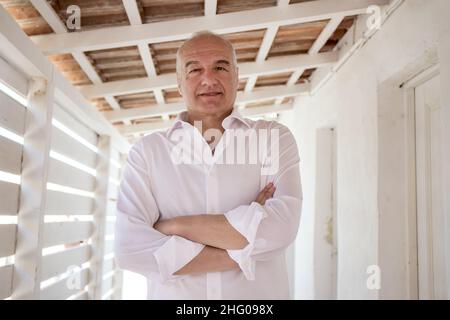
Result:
[{"x": 208, "y": 78}]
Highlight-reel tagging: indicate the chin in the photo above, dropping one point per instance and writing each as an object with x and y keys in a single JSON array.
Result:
[{"x": 211, "y": 108}]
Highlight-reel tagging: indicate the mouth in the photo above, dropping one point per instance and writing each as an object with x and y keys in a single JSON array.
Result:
[{"x": 210, "y": 94}]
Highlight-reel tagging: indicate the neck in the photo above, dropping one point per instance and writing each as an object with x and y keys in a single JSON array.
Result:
[{"x": 209, "y": 121}]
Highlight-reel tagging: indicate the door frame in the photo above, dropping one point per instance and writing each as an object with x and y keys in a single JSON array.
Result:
[
  {"x": 397, "y": 238},
  {"x": 410, "y": 90}
]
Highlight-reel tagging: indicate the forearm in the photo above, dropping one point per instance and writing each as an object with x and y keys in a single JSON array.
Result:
[
  {"x": 210, "y": 259},
  {"x": 209, "y": 229}
]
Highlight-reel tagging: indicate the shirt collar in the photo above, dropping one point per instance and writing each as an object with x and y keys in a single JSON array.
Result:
[{"x": 235, "y": 116}]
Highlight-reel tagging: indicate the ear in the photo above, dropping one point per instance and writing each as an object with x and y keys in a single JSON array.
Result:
[
  {"x": 179, "y": 85},
  {"x": 237, "y": 77}
]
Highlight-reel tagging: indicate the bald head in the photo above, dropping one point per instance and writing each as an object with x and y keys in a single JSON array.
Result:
[{"x": 202, "y": 36}]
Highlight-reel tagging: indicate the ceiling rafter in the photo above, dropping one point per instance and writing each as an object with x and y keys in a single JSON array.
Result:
[
  {"x": 52, "y": 18},
  {"x": 140, "y": 36},
  {"x": 165, "y": 81},
  {"x": 168, "y": 108},
  {"x": 210, "y": 8},
  {"x": 326, "y": 33},
  {"x": 162, "y": 125},
  {"x": 266, "y": 44},
  {"x": 134, "y": 16},
  {"x": 181, "y": 29}
]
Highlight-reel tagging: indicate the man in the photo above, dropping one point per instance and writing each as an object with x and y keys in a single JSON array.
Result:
[{"x": 198, "y": 227}]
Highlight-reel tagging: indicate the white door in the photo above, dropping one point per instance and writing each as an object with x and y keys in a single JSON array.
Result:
[{"x": 430, "y": 216}]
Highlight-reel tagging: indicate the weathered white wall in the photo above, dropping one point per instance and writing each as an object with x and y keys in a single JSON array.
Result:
[{"x": 349, "y": 102}]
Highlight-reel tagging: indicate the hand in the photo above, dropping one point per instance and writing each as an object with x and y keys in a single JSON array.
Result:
[{"x": 265, "y": 194}]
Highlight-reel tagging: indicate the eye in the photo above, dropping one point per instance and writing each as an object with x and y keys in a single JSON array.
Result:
[
  {"x": 194, "y": 70},
  {"x": 219, "y": 68}
]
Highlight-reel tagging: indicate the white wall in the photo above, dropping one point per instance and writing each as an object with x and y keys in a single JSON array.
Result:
[{"x": 349, "y": 102}]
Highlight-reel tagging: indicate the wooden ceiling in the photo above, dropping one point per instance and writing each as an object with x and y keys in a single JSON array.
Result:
[{"x": 126, "y": 62}]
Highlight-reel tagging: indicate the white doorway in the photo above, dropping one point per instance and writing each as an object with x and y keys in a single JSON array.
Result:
[
  {"x": 325, "y": 217},
  {"x": 429, "y": 193}
]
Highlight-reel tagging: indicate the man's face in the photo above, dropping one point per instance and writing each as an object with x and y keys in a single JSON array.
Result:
[{"x": 207, "y": 77}]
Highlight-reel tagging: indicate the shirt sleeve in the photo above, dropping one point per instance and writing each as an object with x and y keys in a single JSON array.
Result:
[
  {"x": 271, "y": 228},
  {"x": 138, "y": 246}
]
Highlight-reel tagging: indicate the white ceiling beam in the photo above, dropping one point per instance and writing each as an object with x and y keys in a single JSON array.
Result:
[
  {"x": 132, "y": 10},
  {"x": 283, "y": 2},
  {"x": 324, "y": 36},
  {"x": 266, "y": 44},
  {"x": 121, "y": 36},
  {"x": 279, "y": 100},
  {"x": 134, "y": 16},
  {"x": 145, "y": 127},
  {"x": 210, "y": 8},
  {"x": 147, "y": 59},
  {"x": 326, "y": 33},
  {"x": 259, "y": 111},
  {"x": 92, "y": 74},
  {"x": 352, "y": 41},
  {"x": 21, "y": 54},
  {"x": 250, "y": 83},
  {"x": 271, "y": 66},
  {"x": 144, "y": 112},
  {"x": 295, "y": 76},
  {"x": 263, "y": 51},
  {"x": 129, "y": 86},
  {"x": 49, "y": 15},
  {"x": 159, "y": 97},
  {"x": 162, "y": 125},
  {"x": 87, "y": 67},
  {"x": 170, "y": 108},
  {"x": 13, "y": 79}
]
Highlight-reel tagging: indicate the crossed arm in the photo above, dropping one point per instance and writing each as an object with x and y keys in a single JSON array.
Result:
[{"x": 215, "y": 232}]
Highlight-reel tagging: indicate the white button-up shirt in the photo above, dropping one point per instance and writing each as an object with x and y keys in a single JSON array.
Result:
[{"x": 174, "y": 173}]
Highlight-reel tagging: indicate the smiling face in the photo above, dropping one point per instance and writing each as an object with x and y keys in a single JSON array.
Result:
[{"x": 207, "y": 76}]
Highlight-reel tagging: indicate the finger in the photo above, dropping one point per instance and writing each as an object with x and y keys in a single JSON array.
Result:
[
  {"x": 270, "y": 189},
  {"x": 263, "y": 191},
  {"x": 270, "y": 192}
]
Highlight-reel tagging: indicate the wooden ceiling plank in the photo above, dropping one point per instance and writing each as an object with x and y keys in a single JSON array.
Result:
[
  {"x": 182, "y": 29},
  {"x": 326, "y": 33},
  {"x": 49, "y": 15},
  {"x": 164, "y": 81},
  {"x": 134, "y": 16}
]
